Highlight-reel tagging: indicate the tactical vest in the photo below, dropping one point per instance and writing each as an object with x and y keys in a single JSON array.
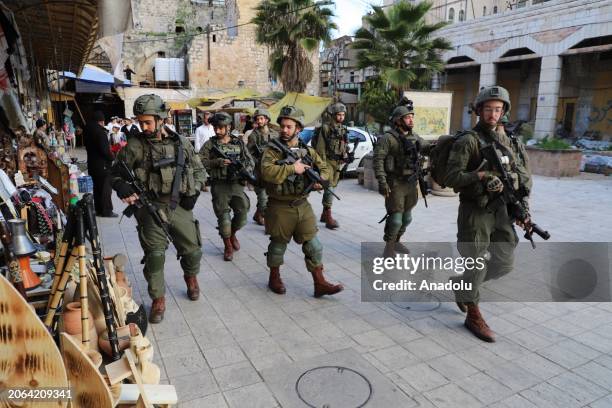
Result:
[
  {"x": 232, "y": 149},
  {"x": 336, "y": 141},
  {"x": 156, "y": 165},
  {"x": 295, "y": 184},
  {"x": 402, "y": 164}
]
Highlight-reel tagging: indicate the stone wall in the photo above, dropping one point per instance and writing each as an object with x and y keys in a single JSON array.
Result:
[
  {"x": 554, "y": 163},
  {"x": 235, "y": 56}
]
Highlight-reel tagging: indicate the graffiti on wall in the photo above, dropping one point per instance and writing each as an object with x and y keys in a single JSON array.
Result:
[{"x": 601, "y": 114}]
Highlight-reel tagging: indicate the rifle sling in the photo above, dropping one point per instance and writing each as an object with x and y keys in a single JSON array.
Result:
[{"x": 178, "y": 175}]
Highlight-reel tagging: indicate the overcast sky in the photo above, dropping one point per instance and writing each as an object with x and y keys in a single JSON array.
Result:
[{"x": 348, "y": 15}]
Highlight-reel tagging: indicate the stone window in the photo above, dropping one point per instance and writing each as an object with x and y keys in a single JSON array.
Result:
[
  {"x": 484, "y": 11},
  {"x": 461, "y": 15},
  {"x": 494, "y": 9},
  {"x": 451, "y": 14}
]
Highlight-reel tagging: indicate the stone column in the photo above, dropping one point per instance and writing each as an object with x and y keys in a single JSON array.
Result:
[
  {"x": 548, "y": 96},
  {"x": 488, "y": 74}
]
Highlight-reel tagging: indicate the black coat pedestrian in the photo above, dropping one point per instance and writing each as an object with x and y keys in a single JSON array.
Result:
[{"x": 99, "y": 155}]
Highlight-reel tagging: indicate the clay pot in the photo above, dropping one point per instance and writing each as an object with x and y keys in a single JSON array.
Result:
[
  {"x": 72, "y": 318},
  {"x": 123, "y": 335}
]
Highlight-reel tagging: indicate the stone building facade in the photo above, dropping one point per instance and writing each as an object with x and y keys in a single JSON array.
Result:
[
  {"x": 555, "y": 58},
  {"x": 236, "y": 60}
]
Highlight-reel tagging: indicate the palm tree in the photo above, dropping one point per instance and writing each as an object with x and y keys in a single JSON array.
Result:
[
  {"x": 293, "y": 29},
  {"x": 398, "y": 43}
]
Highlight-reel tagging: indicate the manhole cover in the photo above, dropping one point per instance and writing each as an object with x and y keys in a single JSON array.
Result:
[
  {"x": 333, "y": 387},
  {"x": 415, "y": 302}
]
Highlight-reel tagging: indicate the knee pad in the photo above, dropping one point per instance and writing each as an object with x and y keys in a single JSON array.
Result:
[
  {"x": 276, "y": 253},
  {"x": 191, "y": 261},
  {"x": 313, "y": 252},
  {"x": 406, "y": 218},
  {"x": 312, "y": 248}
]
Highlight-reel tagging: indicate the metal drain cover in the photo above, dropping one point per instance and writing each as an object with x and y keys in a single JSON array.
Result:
[
  {"x": 416, "y": 302},
  {"x": 333, "y": 387}
]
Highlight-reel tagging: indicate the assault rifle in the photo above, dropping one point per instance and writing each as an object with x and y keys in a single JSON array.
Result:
[
  {"x": 236, "y": 166},
  {"x": 413, "y": 149},
  {"x": 291, "y": 158},
  {"x": 511, "y": 197},
  {"x": 145, "y": 199}
]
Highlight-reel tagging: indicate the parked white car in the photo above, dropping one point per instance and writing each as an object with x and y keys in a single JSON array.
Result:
[{"x": 363, "y": 147}]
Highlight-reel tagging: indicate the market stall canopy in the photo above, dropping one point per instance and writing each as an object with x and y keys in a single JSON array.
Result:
[
  {"x": 94, "y": 80},
  {"x": 61, "y": 34},
  {"x": 313, "y": 106},
  {"x": 238, "y": 94}
]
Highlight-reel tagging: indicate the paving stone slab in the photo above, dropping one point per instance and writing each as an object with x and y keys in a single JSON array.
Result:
[{"x": 333, "y": 386}]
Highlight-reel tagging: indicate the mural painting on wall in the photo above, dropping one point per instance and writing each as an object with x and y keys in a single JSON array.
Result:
[{"x": 430, "y": 121}]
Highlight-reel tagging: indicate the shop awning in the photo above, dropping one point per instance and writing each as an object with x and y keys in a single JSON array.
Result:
[
  {"x": 61, "y": 33},
  {"x": 177, "y": 105},
  {"x": 313, "y": 106},
  {"x": 95, "y": 75}
]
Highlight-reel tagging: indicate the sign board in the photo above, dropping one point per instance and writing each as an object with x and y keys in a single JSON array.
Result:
[
  {"x": 244, "y": 104},
  {"x": 432, "y": 112}
]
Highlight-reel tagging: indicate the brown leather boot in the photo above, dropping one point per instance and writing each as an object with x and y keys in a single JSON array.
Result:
[
  {"x": 193, "y": 289},
  {"x": 228, "y": 252},
  {"x": 258, "y": 217},
  {"x": 389, "y": 251},
  {"x": 476, "y": 324},
  {"x": 275, "y": 283},
  {"x": 157, "y": 310},
  {"x": 323, "y": 287},
  {"x": 234, "y": 240},
  {"x": 401, "y": 248},
  {"x": 328, "y": 219}
]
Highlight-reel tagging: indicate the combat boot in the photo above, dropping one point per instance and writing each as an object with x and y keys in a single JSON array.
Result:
[
  {"x": 323, "y": 287},
  {"x": 234, "y": 240},
  {"x": 275, "y": 283},
  {"x": 401, "y": 248},
  {"x": 228, "y": 252},
  {"x": 389, "y": 251},
  {"x": 157, "y": 310},
  {"x": 258, "y": 217},
  {"x": 193, "y": 289},
  {"x": 476, "y": 324},
  {"x": 330, "y": 223}
]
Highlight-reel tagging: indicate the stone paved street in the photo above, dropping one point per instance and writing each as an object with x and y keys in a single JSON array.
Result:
[{"x": 242, "y": 346}]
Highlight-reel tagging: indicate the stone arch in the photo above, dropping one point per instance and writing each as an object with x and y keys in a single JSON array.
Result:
[{"x": 451, "y": 14}]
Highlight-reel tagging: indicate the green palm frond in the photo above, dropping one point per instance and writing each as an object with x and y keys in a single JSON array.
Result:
[{"x": 291, "y": 29}]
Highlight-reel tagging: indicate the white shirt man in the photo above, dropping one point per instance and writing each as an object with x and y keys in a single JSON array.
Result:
[{"x": 202, "y": 134}]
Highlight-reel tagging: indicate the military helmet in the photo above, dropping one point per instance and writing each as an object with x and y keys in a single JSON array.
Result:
[
  {"x": 401, "y": 111},
  {"x": 493, "y": 93},
  {"x": 337, "y": 107},
  {"x": 150, "y": 104},
  {"x": 262, "y": 112},
  {"x": 221, "y": 119},
  {"x": 293, "y": 113}
]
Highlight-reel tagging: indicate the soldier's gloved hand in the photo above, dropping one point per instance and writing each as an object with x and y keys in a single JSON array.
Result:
[
  {"x": 383, "y": 189},
  {"x": 188, "y": 202},
  {"x": 494, "y": 184},
  {"x": 124, "y": 190}
]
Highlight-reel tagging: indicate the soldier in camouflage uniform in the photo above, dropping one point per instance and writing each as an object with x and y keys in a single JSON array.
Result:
[
  {"x": 397, "y": 156},
  {"x": 331, "y": 143},
  {"x": 484, "y": 230},
  {"x": 258, "y": 139},
  {"x": 289, "y": 214},
  {"x": 155, "y": 158},
  {"x": 227, "y": 187}
]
